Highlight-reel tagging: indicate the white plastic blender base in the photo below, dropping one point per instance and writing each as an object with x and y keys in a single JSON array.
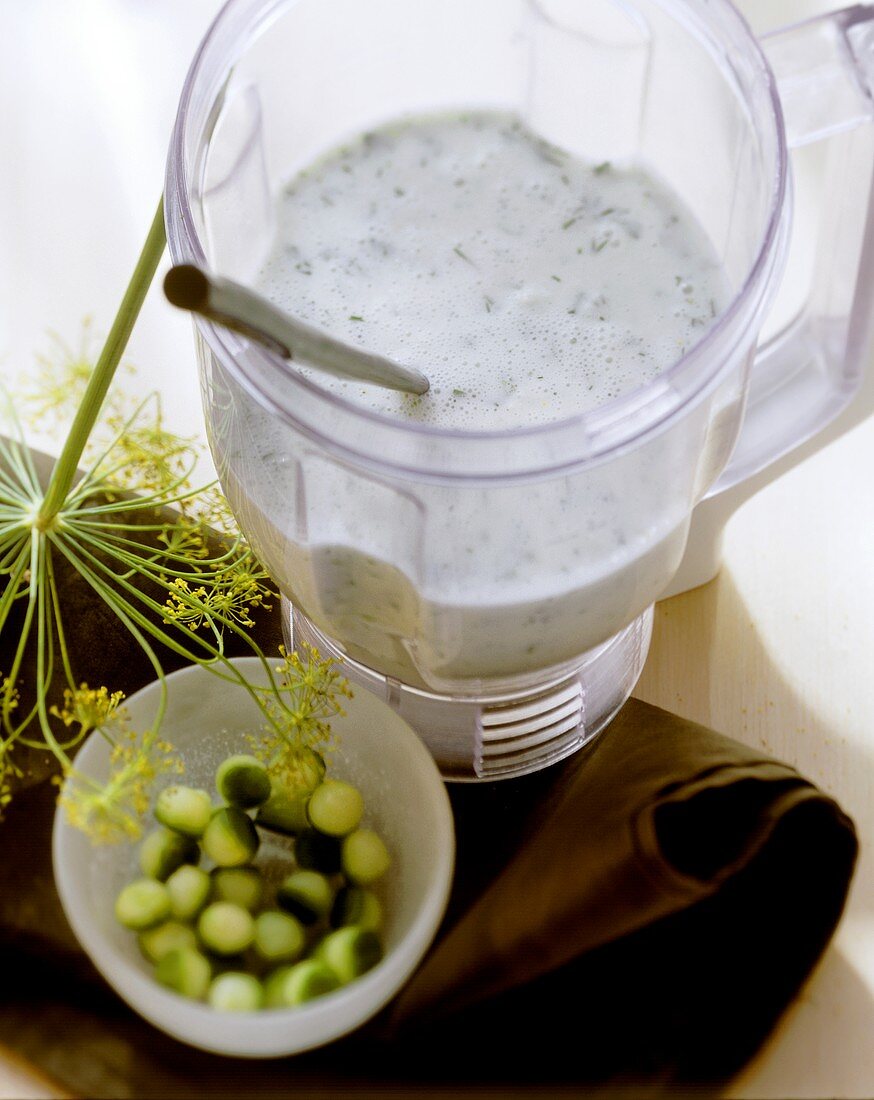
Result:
[{"x": 500, "y": 736}]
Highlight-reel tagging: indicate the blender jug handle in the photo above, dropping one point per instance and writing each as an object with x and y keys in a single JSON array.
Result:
[{"x": 814, "y": 380}]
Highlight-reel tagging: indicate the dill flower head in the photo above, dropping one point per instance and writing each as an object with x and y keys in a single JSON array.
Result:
[
  {"x": 118, "y": 511},
  {"x": 185, "y": 538},
  {"x": 62, "y": 375},
  {"x": 8, "y": 772},
  {"x": 148, "y": 458},
  {"x": 234, "y": 591},
  {"x": 9, "y": 697},
  {"x": 113, "y": 811},
  {"x": 90, "y": 707},
  {"x": 309, "y": 695}
]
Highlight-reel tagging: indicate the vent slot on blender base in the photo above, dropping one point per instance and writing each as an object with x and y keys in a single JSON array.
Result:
[{"x": 532, "y": 733}]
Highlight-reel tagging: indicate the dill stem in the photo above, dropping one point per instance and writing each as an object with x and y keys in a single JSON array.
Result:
[
  {"x": 44, "y": 656},
  {"x": 65, "y": 469}
]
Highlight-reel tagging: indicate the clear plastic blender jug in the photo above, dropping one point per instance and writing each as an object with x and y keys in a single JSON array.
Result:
[{"x": 496, "y": 587}]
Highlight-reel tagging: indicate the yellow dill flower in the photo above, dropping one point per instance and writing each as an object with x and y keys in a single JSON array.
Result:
[
  {"x": 113, "y": 811},
  {"x": 8, "y": 771},
  {"x": 215, "y": 512},
  {"x": 185, "y": 538},
  {"x": 149, "y": 458},
  {"x": 247, "y": 579},
  {"x": 9, "y": 695},
  {"x": 231, "y": 595},
  {"x": 90, "y": 707},
  {"x": 306, "y": 673},
  {"x": 184, "y": 605},
  {"x": 300, "y": 712},
  {"x": 62, "y": 373}
]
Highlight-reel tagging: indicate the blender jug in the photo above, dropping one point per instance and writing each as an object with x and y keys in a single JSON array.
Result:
[{"x": 496, "y": 587}]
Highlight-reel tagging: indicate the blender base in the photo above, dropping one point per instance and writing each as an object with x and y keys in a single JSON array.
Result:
[{"x": 504, "y": 735}]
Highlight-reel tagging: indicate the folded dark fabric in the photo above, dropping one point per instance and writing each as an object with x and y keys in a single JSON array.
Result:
[
  {"x": 670, "y": 894},
  {"x": 634, "y": 919}
]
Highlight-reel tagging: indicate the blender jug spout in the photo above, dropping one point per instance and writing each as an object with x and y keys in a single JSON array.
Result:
[{"x": 812, "y": 379}]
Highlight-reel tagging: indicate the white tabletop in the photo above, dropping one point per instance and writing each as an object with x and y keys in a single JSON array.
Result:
[{"x": 776, "y": 652}]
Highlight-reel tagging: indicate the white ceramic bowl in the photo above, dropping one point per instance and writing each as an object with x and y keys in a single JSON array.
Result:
[{"x": 405, "y": 800}]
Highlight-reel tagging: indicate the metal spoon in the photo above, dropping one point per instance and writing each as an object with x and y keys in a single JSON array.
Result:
[{"x": 243, "y": 310}]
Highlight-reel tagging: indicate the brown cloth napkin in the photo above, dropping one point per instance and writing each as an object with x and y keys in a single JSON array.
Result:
[{"x": 633, "y": 920}]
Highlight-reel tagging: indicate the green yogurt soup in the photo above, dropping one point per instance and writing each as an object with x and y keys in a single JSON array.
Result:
[
  {"x": 529, "y": 285},
  {"x": 526, "y": 283}
]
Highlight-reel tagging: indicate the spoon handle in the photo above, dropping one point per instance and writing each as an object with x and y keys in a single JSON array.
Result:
[{"x": 237, "y": 307}]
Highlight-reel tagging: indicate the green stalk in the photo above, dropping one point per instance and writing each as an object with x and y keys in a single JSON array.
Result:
[{"x": 68, "y": 462}]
